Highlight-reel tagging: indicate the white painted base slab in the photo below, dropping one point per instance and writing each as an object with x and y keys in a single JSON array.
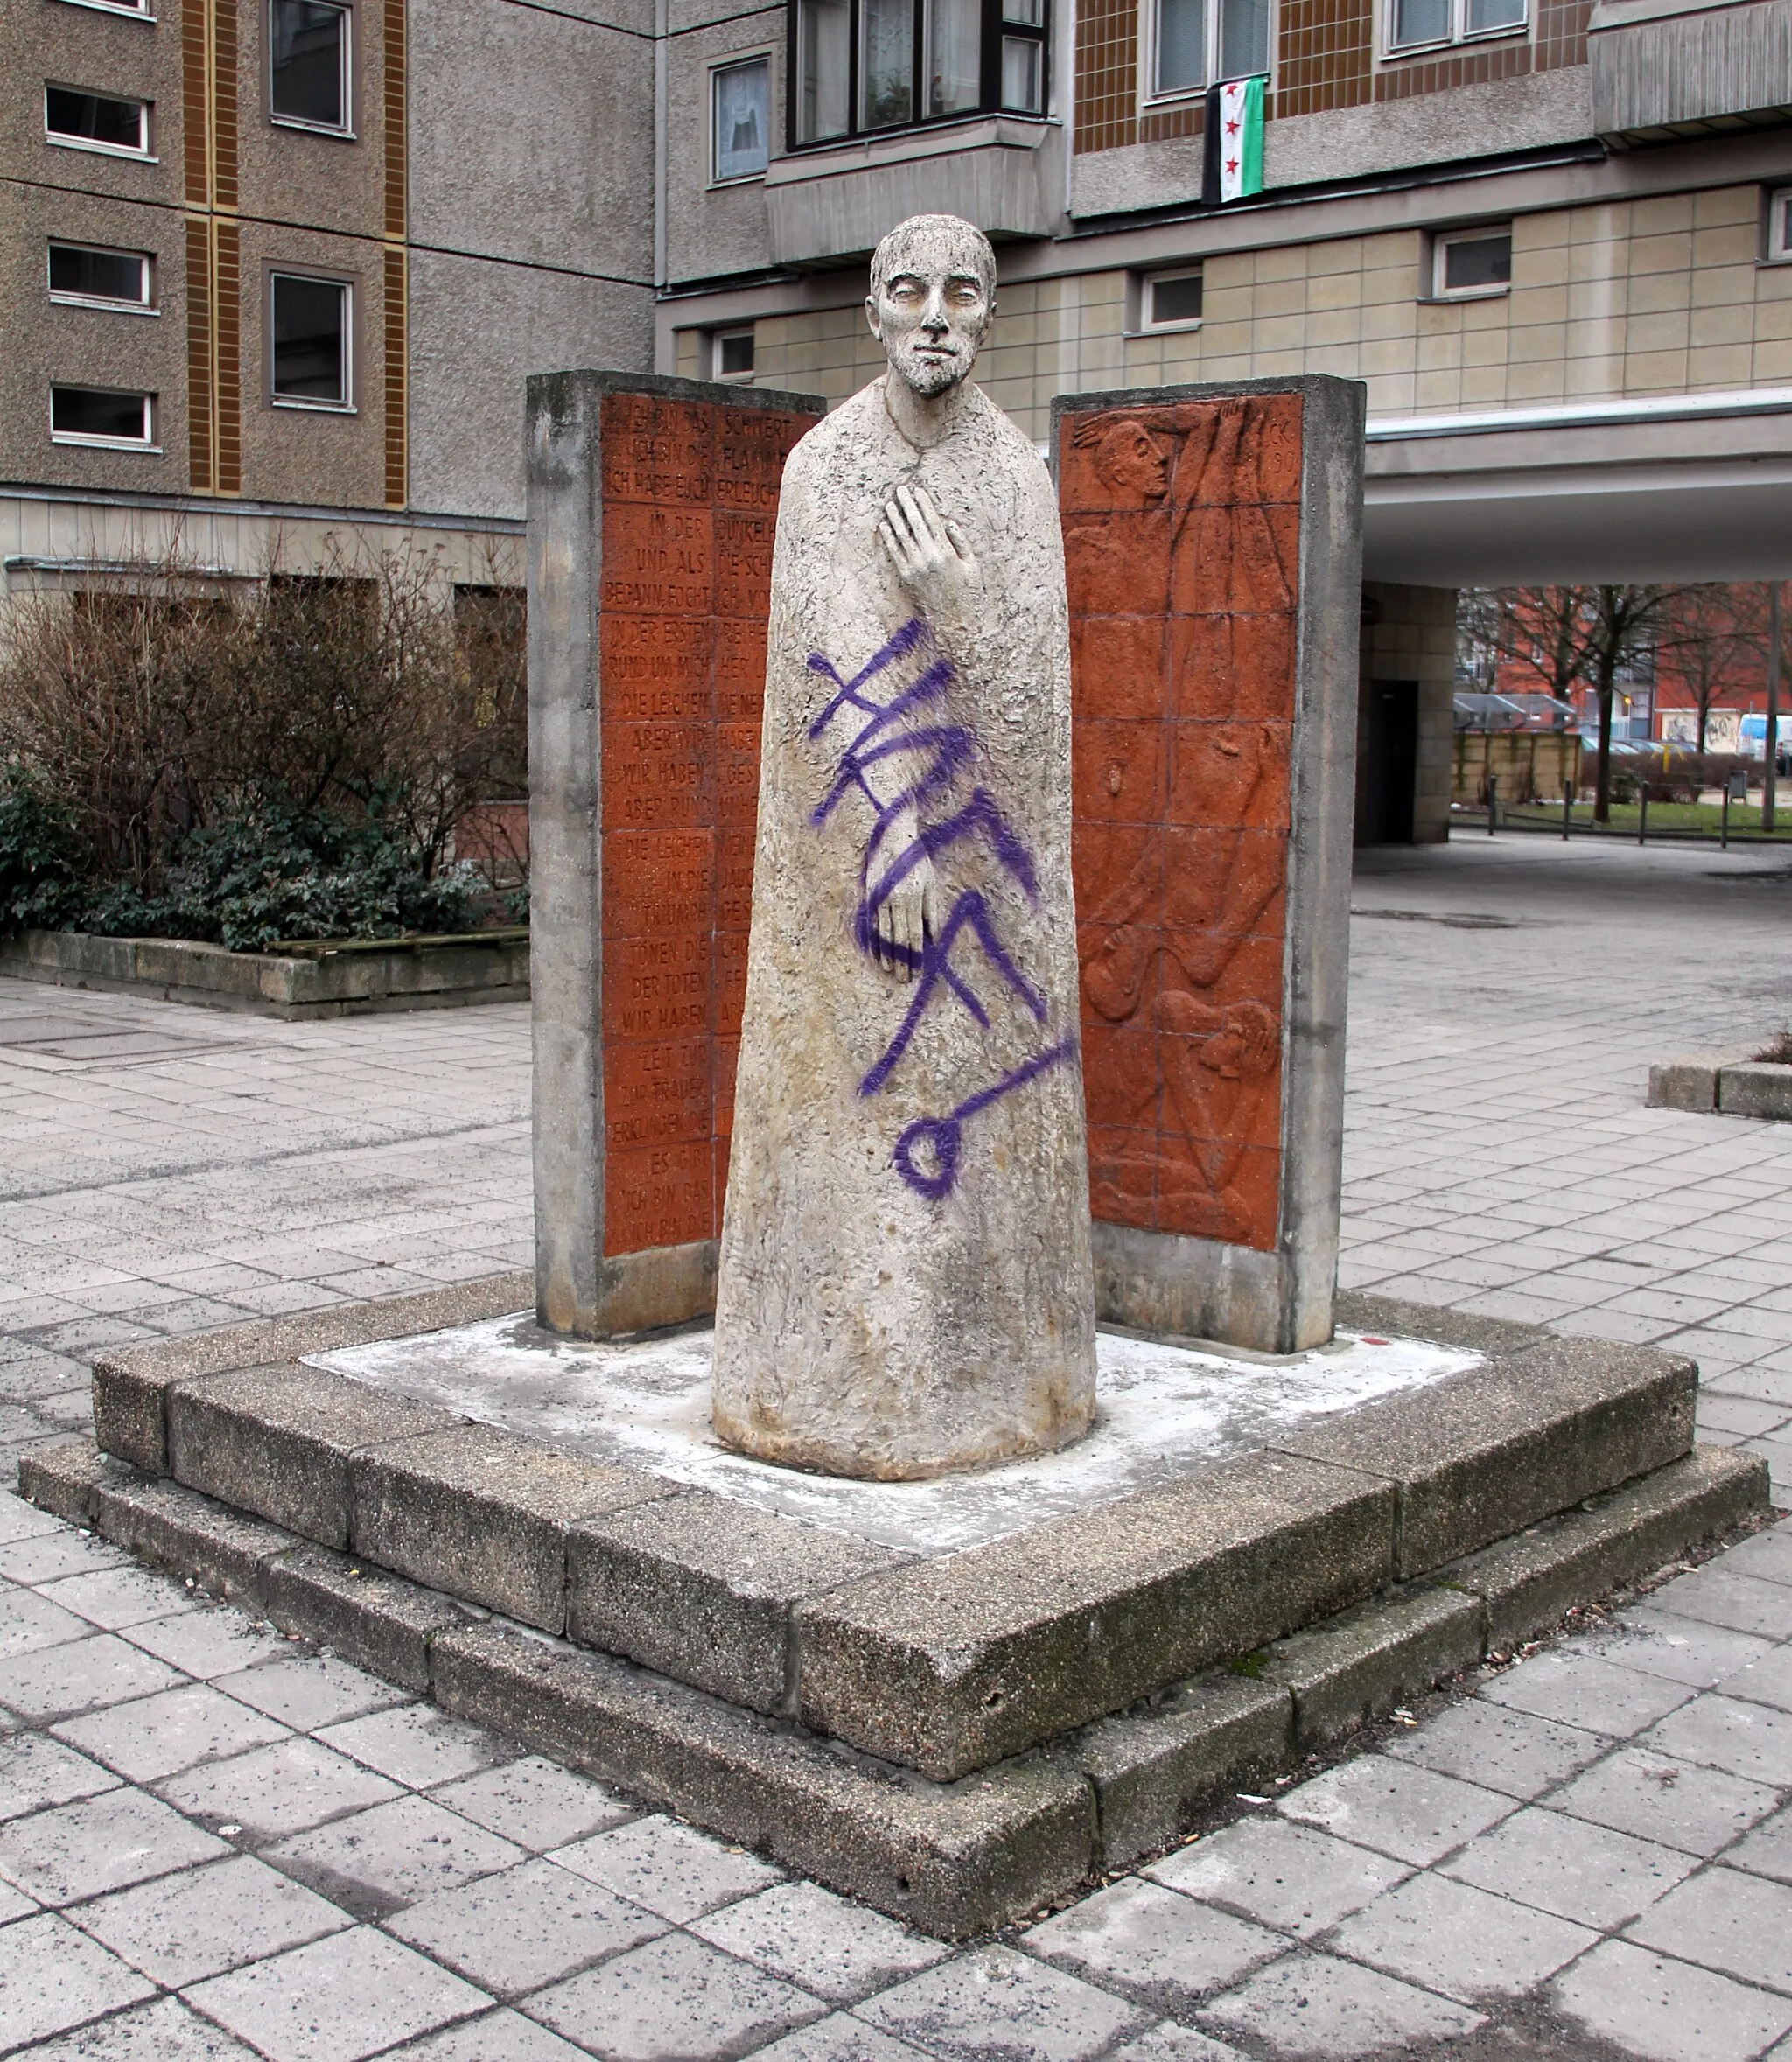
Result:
[{"x": 1162, "y": 1411}]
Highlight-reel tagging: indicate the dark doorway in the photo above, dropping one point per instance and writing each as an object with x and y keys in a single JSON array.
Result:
[{"x": 1393, "y": 763}]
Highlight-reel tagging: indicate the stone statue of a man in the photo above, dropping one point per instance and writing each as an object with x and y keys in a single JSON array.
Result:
[{"x": 905, "y": 1283}]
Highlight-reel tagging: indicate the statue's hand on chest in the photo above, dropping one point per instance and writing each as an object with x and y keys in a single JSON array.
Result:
[{"x": 934, "y": 562}]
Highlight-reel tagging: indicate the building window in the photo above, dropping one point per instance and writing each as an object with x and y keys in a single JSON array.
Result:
[
  {"x": 308, "y": 56},
  {"x": 740, "y": 120},
  {"x": 1780, "y": 225},
  {"x": 85, "y": 276},
  {"x": 1470, "y": 264},
  {"x": 96, "y": 121},
  {"x": 138, "y": 10},
  {"x": 1198, "y": 43},
  {"x": 97, "y": 416},
  {"x": 732, "y": 354},
  {"x": 1422, "y": 24},
  {"x": 1171, "y": 300},
  {"x": 308, "y": 354},
  {"x": 864, "y": 66}
]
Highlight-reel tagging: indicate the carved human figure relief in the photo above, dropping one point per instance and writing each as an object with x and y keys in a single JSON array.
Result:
[
  {"x": 905, "y": 1281},
  {"x": 1184, "y": 533}
]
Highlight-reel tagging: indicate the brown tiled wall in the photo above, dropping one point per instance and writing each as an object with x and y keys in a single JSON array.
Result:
[
  {"x": 1106, "y": 74},
  {"x": 1324, "y": 54},
  {"x": 1466, "y": 68}
]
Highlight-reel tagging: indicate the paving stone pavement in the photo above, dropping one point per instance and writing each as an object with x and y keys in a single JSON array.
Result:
[{"x": 217, "y": 1843}]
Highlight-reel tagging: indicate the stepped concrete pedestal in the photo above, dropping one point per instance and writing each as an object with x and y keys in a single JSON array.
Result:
[{"x": 958, "y": 1721}]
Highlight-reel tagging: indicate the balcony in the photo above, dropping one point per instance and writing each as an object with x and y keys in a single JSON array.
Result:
[{"x": 1664, "y": 68}]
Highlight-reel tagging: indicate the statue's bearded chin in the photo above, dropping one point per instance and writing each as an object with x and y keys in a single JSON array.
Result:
[{"x": 932, "y": 375}]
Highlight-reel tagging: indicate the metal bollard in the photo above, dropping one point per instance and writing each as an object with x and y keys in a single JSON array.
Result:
[
  {"x": 1723, "y": 827},
  {"x": 1567, "y": 809},
  {"x": 1492, "y": 802},
  {"x": 1643, "y": 814}
]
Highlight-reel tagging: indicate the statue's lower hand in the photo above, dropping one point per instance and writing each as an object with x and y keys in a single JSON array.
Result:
[
  {"x": 904, "y": 922},
  {"x": 930, "y": 555}
]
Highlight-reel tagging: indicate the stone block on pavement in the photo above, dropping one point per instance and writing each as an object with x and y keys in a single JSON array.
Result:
[
  {"x": 1483, "y": 1453},
  {"x": 279, "y": 1442},
  {"x": 703, "y": 1588},
  {"x": 482, "y": 1513},
  {"x": 1365, "y": 1662},
  {"x": 951, "y": 1663},
  {"x": 376, "y": 1621}
]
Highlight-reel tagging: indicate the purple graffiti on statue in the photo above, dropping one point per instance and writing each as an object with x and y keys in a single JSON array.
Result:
[{"x": 946, "y": 752}]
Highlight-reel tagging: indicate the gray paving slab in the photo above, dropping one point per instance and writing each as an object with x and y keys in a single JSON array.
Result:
[
  {"x": 829, "y": 1945},
  {"x": 99, "y": 1843},
  {"x": 1666, "y": 2010},
  {"x": 209, "y": 1641},
  {"x": 1172, "y": 2043},
  {"x": 274, "y": 1792},
  {"x": 537, "y": 1803},
  {"x": 1590, "y": 1874},
  {"x": 1766, "y": 1681},
  {"x": 1742, "y": 1602},
  {"x": 498, "y": 2036},
  {"x": 114, "y": 1598},
  {"x": 59, "y": 1681},
  {"x": 670, "y": 1869},
  {"x": 29, "y": 1621},
  {"x": 1661, "y": 1643},
  {"x": 36, "y": 1770},
  {"x": 995, "y": 2003},
  {"x": 1287, "y": 1875},
  {"x": 1501, "y": 1749},
  {"x": 839, "y": 2038},
  {"x": 1311, "y": 2004},
  {"x": 1657, "y": 1798},
  {"x": 200, "y": 1922},
  {"x": 1151, "y": 1944},
  {"x": 1413, "y": 1814},
  {"x": 53, "y": 1978},
  {"x": 674, "y": 2000},
  {"x": 524, "y": 1927},
  {"x": 1767, "y": 1850},
  {"x": 1451, "y": 1937},
  {"x": 336, "y": 2000},
  {"x": 1744, "y": 1738},
  {"x": 1725, "y": 1920},
  {"x": 310, "y": 1690},
  {"x": 418, "y": 1745},
  {"x": 163, "y": 2031},
  {"x": 160, "y": 1736},
  {"x": 1584, "y": 1689},
  {"x": 44, "y": 1557},
  {"x": 394, "y": 1854}
]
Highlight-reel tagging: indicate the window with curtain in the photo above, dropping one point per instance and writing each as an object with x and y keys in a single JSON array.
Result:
[
  {"x": 861, "y": 66},
  {"x": 1197, "y": 43}
]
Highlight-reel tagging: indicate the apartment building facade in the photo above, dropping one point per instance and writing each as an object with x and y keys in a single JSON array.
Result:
[{"x": 276, "y": 268}]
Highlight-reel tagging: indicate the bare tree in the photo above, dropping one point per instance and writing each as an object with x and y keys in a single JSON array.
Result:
[
  {"x": 1708, "y": 631},
  {"x": 1582, "y": 636}
]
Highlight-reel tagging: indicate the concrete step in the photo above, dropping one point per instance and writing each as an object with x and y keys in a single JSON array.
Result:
[{"x": 955, "y": 1858}]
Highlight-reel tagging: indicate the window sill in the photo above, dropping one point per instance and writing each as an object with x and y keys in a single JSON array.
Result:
[
  {"x": 312, "y": 407},
  {"x": 1466, "y": 293},
  {"x": 95, "y": 306},
  {"x": 104, "y": 444},
  {"x": 69, "y": 143},
  {"x": 322, "y": 129},
  {"x": 1164, "y": 329},
  {"x": 1408, "y": 52},
  {"x": 745, "y": 179}
]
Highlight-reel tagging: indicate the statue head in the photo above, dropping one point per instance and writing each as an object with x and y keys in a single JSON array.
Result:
[{"x": 933, "y": 293}]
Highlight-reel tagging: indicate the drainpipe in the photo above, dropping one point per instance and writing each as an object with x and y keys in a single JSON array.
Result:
[{"x": 1770, "y": 783}]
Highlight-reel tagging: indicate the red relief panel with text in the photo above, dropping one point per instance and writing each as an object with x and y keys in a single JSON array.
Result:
[
  {"x": 1181, "y": 533},
  {"x": 690, "y": 500}
]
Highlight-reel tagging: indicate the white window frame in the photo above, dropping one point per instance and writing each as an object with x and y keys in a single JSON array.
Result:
[
  {"x": 343, "y": 130},
  {"x": 1777, "y": 248},
  {"x": 143, "y": 153},
  {"x": 1146, "y": 287},
  {"x": 735, "y": 61},
  {"x": 732, "y": 329},
  {"x": 1171, "y": 95},
  {"x": 348, "y": 405},
  {"x": 1459, "y": 32},
  {"x": 1440, "y": 242},
  {"x": 80, "y": 441},
  {"x": 63, "y": 299},
  {"x": 127, "y": 7}
]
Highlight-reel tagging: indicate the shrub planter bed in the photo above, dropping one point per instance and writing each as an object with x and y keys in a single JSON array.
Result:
[{"x": 322, "y": 977}]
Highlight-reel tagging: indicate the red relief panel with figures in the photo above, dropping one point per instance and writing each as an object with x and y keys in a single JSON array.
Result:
[
  {"x": 1181, "y": 534},
  {"x": 690, "y": 501}
]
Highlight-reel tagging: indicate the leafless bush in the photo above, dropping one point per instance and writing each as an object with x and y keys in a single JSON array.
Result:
[{"x": 157, "y": 706}]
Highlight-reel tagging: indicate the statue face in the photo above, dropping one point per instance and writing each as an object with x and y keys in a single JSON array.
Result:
[{"x": 931, "y": 313}]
